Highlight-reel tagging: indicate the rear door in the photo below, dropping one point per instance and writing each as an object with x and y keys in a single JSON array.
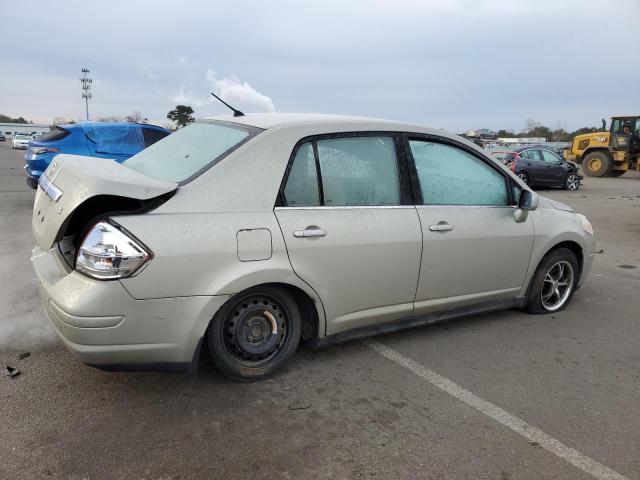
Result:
[
  {"x": 474, "y": 251},
  {"x": 118, "y": 142},
  {"x": 533, "y": 165},
  {"x": 350, "y": 228}
]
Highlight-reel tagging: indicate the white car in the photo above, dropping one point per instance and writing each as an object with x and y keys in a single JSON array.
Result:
[
  {"x": 243, "y": 235},
  {"x": 21, "y": 140}
]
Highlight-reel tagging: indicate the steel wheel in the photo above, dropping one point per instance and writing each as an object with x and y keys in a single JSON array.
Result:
[
  {"x": 256, "y": 329},
  {"x": 557, "y": 286},
  {"x": 254, "y": 333},
  {"x": 573, "y": 181}
]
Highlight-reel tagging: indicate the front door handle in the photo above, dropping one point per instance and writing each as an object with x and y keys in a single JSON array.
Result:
[
  {"x": 310, "y": 232},
  {"x": 441, "y": 227}
]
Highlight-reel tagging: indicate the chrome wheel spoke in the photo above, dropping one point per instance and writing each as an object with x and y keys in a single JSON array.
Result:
[{"x": 557, "y": 285}]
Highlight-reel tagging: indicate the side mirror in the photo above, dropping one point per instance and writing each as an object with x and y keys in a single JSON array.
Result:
[{"x": 528, "y": 202}]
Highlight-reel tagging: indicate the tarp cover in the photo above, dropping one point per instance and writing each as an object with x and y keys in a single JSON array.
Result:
[{"x": 117, "y": 139}]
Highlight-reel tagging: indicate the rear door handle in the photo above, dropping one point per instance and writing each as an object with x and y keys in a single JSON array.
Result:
[
  {"x": 440, "y": 227},
  {"x": 310, "y": 232}
]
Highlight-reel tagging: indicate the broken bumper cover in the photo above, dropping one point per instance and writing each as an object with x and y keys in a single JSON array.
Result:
[{"x": 105, "y": 327}]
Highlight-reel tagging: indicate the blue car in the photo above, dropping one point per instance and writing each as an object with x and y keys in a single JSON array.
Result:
[{"x": 116, "y": 140}]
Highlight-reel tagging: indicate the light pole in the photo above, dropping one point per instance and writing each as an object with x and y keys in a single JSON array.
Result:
[{"x": 86, "y": 86}]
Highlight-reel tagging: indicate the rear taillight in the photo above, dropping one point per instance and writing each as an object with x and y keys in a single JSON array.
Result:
[
  {"x": 40, "y": 150},
  {"x": 108, "y": 253}
]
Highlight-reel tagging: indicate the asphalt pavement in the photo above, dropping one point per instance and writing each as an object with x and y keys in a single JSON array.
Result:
[{"x": 500, "y": 396}]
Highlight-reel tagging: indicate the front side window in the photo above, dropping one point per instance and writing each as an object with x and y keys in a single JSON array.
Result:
[
  {"x": 549, "y": 157},
  {"x": 354, "y": 171},
  {"x": 451, "y": 176}
]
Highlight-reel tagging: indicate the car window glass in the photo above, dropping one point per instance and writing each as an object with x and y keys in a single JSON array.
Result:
[
  {"x": 531, "y": 154},
  {"x": 450, "y": 176},
  {"x": 302, "y": 184},
  {"x": 549, "y": 157},
  {"x": 191, "y": 150},
  {"x": 151, "y": 135},
  {"x": 359, "y": 171}
]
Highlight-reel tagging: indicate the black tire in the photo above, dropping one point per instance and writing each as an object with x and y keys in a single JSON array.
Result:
[
  {"x": 572, "y": 182},
  {"x": 597, "y": 164},
  {"x": 524, "y": 176},
  {"x": 254, "y": 333},
  {"x": 540, "y": 285}
]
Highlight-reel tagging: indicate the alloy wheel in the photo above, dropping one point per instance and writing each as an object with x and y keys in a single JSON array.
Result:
[
  {"x": 573, "y": 182},
  {"x": 557, "y": 285}
]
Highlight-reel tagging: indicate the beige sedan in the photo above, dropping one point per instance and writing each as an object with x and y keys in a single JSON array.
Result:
[{"x": 244, "y": 235}]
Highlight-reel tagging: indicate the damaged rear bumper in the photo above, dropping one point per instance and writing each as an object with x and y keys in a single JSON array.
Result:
[{"x": 105, "y": 327}]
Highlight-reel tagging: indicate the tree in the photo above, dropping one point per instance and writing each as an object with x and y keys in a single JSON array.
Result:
[
  {"x": 110, "y": 118},
  {"x": 182, "y": 115},
  {"x": 135, "y": 117}
]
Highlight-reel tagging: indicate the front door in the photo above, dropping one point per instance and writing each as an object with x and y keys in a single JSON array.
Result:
[
  {"x": 474, "y": 251},
  {"x": 350, "y": 229},
  {"x": 555, "y": 172}
]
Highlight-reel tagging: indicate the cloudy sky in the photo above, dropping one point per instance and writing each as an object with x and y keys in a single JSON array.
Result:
[{"x": 452, "y": 64}]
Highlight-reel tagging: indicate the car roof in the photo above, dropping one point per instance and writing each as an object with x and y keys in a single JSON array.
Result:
[{"x": 87, "y": 125}]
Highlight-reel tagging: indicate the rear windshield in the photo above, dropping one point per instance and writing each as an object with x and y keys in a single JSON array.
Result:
[
  {"x": 56, "y": 133},
  {"x": 187, "y": 153}
]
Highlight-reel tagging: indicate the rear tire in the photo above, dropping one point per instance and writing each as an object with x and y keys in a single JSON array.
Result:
[
  {"x": 554, "y": 282},
  {"x": 254, "y": 333},
  {"x": 524, "y": 177},
  {"x": 597, "y": 164}
]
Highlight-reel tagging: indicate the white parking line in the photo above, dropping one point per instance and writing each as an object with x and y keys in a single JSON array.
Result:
[{"x": 531, "y": 433}]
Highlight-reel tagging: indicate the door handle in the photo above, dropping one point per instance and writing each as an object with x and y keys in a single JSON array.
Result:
[
  {"x": 440, "y": 227},
  {"x": 310, "y": 233}
]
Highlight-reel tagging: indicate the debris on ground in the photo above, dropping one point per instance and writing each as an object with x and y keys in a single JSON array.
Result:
[
  {"x": 12, "y": 372},
  {"x": 22, "y": 356},
  {"x": 299, "y": 405},
  {"x": 628, "y": 267}
]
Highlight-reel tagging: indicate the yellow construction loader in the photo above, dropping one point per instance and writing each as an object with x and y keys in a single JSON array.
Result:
[{"x": 608, "y": 153}]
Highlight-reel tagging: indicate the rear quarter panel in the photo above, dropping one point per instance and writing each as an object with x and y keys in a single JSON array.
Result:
[{"x": 197, "y": 254}]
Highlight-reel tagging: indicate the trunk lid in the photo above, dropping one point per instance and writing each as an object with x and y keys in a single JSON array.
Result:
[{"x": 70, "y": 180}]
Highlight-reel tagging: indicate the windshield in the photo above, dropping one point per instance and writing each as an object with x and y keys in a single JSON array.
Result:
[
  {"x": 190, "y": 151},
  {"x": 21, "y": 135}
]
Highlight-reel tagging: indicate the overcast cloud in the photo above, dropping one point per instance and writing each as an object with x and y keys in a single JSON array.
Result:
[{"x": 455, "y": 64}]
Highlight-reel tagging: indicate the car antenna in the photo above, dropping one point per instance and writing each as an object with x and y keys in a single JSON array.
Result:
[{"x": 236, "y": 113}]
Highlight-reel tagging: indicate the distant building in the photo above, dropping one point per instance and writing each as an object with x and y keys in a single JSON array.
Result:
[{"x": 10, "y": 129}]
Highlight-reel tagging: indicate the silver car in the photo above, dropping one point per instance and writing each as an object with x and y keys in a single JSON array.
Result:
[{"x": 243, "y": 235}]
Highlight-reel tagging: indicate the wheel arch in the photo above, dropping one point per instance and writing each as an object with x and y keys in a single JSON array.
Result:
[{"x": 573, "y": 247}]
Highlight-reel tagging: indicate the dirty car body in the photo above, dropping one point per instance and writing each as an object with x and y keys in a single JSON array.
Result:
[{"x": 245, "y": 235}]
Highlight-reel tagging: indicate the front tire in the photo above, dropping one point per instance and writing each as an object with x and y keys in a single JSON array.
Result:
[
  {"x": 554, "y": 282},
  {"x": 254, "y": 333},
  {"x": 572, "y": 182},
  {"x": 597, "y": 164}
]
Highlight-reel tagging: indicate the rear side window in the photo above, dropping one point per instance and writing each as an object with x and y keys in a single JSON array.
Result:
[
  {"x": 451, "y": 176},
  {"x": 190, "y": 151},
  {"x": 302, "y": 184},
  {"x": 354, "y": 171},
  {"x": 151, "y": 136},
  {"x": 56, "y": 133},
  {"x": 531, "y": 154}
]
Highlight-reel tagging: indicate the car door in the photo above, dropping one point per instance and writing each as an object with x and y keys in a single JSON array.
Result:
[
  {"x": 351, "y": 230},
  {"x": 474, "y": 250},
  {"x": 554, "y": 172},
  {"x": 533, "y": 165}
]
